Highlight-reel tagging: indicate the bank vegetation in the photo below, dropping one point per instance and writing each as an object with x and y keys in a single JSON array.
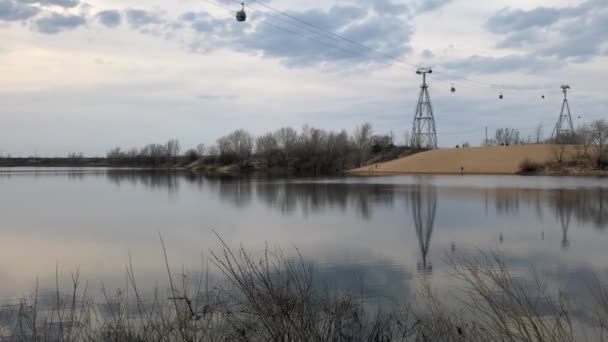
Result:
[{"x": 274, "y": 298}]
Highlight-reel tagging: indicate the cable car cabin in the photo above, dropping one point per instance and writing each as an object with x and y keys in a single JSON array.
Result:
[
  {"x": 241, "y": 15},
  {"x": 501, "y": 96},
  {"x": 453, "y": 90}
]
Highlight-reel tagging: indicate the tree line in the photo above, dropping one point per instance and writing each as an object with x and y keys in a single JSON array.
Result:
[
  {"x": 589, "y": 141},
  {"x": 310, "y": 150}
]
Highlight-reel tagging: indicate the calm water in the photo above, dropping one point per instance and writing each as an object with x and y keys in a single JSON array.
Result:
[{"x": 375, "y": 235}]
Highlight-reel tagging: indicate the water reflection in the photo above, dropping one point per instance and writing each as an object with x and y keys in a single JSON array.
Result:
[
  {"x": 586, "y": 205},
  {"x": 161, "y": 180},
  {"x": 378, "y": 231},
  {"x": 424, "y": 209},
  {"x": 313, "y": 198},
  {"x": 563, "y": 210}
]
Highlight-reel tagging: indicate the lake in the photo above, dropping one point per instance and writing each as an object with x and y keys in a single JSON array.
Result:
[{"x": 375, "y": 236}]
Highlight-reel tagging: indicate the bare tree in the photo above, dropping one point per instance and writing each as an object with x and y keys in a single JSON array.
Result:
[
  {"x": 224, "y": 149},
  {"x": 362, "y": 138},
  {"x": 241, "y": 143},
  {"x": 213, "y": 151},
  {"x": 406, "y": 138},
  {"x": 173, "y": 148},
  {"x": 507, "y": 136},
  {"x": 584, "y": 135},
  {"x": 200, "y": 150},
  {"x": 267, "y": 147},
  {"x": 600, "y": 137},
  {"x": 287, "y": 140}
]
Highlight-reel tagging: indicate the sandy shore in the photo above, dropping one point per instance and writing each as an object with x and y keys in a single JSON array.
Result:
[{"x": 471, "y": 160}]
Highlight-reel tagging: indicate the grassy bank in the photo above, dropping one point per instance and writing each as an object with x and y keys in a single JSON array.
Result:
[{"x": 273, "y": 298}]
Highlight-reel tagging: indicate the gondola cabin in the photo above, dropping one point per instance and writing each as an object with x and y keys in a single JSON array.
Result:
[{"x": 241, "y": 16}]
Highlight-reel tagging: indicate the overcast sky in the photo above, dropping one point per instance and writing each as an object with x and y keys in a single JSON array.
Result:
[{"x": 81, "y": 76}]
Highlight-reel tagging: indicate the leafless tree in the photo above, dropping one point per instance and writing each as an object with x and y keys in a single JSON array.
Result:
[
  {"x": 267, "y": 147},
  {"x": 223, "y": 146},
  {"x": 242, "y": 143},
  {"x": 406, "y": 138},
  {"x": 600, "y": 137},
  {"x": 507, "y": 136},
  {"x": 173, "y": 148},
  {"x": 287, "y": 140},
  {"x": 213, "y": 152},
  {"x": 200, "y": 150},
  {"x": 362, "y": 140}
]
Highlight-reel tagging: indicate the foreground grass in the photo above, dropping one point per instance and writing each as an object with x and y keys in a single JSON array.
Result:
[{"x": 272, "y": 298}]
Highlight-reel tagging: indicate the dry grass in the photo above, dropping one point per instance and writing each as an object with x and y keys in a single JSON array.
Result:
[{"x": 272, "y": 298}]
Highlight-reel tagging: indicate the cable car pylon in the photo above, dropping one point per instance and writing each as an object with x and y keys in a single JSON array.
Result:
[
  {"x": 424, "y": 133},
  {"x": 564, "y": 128}
]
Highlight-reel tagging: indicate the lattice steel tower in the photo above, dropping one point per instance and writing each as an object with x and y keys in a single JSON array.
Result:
[
  {"x": 424, "y": 134},
  {"x": 564, "y": 127}
]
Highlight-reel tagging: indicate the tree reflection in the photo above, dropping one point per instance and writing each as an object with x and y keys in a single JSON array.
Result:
[
  {"x": 424, "y": 208},
  {"x": 507, "y": 201},
  {"x": 168, "y": 181},
  {"x": 585, "y": 205},
  {"x": 316, "y": 197}
]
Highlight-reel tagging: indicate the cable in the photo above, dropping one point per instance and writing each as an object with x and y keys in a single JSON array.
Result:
[
  {"x": 334, "y": 37},
  {"x": 331, "y": 35},
  {"x": 465, "y": 79},
  {"x": 301, "y": 35},
  {"x": 350, "y": 41},
  {"x": 337, "y": 38}
]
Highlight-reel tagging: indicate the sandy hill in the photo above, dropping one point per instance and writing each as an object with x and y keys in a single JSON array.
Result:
[{"x": 481, "y": 160}]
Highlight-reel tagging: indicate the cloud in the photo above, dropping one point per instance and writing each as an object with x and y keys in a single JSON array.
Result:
[
  {"x": 584, "y": 39},
  {"x": 15, "y": 11},
  {"x": 512, "y": 63},
  {"x": 110, "y": 18},
  {"x": 389, "y": 7},
  {"x": 576, "y": 33},
  {"x": 55, "y": 23},
  {"x": 60, "y": 3},
  {"x": 203, "y": 22},
  {"x": 431, "y": 5},
  {"x": 519, "y": 39},
  {"x": 507, "y": 20},
  {"x": 428, "y": 54},
  {"x": 138, "y": 18},
  {"x": 216, "y": 97},
  {"x": 297, "y": 47}
]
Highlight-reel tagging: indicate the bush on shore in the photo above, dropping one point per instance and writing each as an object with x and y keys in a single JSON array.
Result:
[{"x": 529, "y": 166}]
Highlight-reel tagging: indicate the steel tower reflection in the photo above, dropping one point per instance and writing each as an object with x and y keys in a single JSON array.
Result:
[
  {"x": 424, "y": 207},
  {"x": 564, "y": 210}
]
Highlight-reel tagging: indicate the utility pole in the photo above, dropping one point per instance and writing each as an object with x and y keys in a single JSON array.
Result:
[
  {"x": 564, "y": 127},
  {"x": 424, "y": 134}
]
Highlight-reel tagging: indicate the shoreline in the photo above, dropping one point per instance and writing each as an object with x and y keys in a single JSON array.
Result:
[{"x": 543, "y": 173}]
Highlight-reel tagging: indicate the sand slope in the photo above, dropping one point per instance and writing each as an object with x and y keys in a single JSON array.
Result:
[{"x": 483, "y": 160}]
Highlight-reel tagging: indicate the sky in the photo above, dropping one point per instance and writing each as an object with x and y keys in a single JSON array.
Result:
[{"x": 86, "y": 76}]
